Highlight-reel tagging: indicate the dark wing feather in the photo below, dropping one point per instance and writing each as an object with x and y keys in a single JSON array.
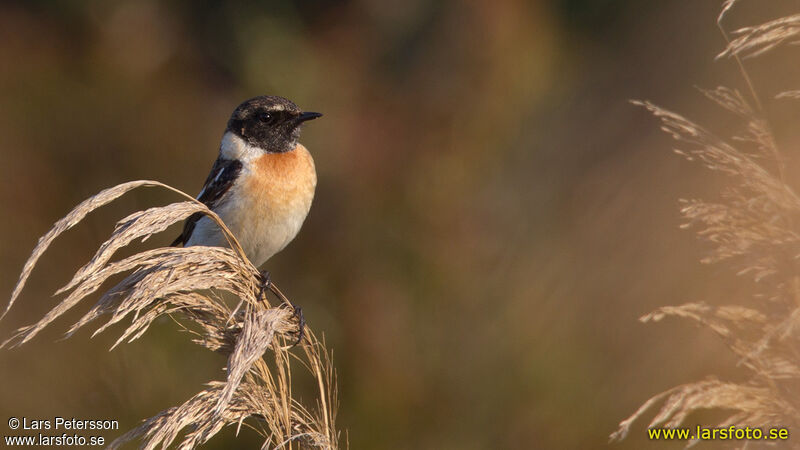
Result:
[{"x": 219, "y": 181}]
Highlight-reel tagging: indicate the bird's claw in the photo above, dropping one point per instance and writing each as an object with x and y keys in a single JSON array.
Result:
[
  {"x": 266, "y": 281},
  {"x": 301, "y": 324}
]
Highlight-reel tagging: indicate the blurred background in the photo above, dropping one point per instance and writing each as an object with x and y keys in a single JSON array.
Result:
[{"x": 492, "y": 215}]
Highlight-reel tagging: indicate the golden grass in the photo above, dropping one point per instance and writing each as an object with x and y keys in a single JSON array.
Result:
[
  {"x": 187, "y": 285},
  {"x": 752, "y": 229},
  {"x": 755, "y": 41}
]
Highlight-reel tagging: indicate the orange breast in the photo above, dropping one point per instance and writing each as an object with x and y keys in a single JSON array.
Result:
[{"x": 285, "y": 180}]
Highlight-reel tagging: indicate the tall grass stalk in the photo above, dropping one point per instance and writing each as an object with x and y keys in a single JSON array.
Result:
[{"x": 753, "y": 229}]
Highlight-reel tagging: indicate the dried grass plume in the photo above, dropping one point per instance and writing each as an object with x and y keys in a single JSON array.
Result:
[
  {"x": 752, "y": 229},
  {"x": 188, "y": 284}
]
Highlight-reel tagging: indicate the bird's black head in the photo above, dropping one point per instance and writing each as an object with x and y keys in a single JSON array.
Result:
[{"x": 270, "y": 123}]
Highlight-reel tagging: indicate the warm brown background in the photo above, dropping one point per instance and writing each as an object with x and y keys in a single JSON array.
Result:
[{"x": 491, "y": 219}]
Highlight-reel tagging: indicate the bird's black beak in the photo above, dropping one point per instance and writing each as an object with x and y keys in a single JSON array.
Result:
[{"x": 307, "y": 116}]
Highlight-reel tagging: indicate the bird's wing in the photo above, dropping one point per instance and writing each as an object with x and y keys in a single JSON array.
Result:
[{"x": 222, "y": 176}]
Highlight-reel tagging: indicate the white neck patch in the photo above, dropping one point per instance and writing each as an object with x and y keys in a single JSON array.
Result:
[{"x": 234, "y": 147}]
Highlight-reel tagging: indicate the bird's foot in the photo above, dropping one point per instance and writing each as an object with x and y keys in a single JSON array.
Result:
[
  {"x": 301, "y": 324},
  {"x": 266, "y": 281}
]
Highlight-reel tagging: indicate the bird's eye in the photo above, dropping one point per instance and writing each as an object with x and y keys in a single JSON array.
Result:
[{"x": 265, "y": 117}]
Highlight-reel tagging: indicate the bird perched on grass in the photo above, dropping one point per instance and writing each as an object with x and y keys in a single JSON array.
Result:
[{"x": 261, "y": 184}]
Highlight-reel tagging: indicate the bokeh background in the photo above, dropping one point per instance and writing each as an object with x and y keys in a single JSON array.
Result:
[{"x": 491, "y": 219}]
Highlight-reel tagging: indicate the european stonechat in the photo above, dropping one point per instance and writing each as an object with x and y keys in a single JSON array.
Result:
[{"x": 261, "y": 184}]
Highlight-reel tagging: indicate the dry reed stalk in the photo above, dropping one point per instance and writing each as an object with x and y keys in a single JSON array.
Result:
[
  {"x": 184, "y": 283},
  {"x": 753, "y": 229}
]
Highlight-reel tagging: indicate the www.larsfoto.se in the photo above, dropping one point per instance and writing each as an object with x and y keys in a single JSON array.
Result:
[
  {"x": 62, "y": 440},
  {"x": 721, "y": 434}
]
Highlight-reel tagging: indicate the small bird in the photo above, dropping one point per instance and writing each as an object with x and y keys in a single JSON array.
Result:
[{"x": 261, "y": 184}]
